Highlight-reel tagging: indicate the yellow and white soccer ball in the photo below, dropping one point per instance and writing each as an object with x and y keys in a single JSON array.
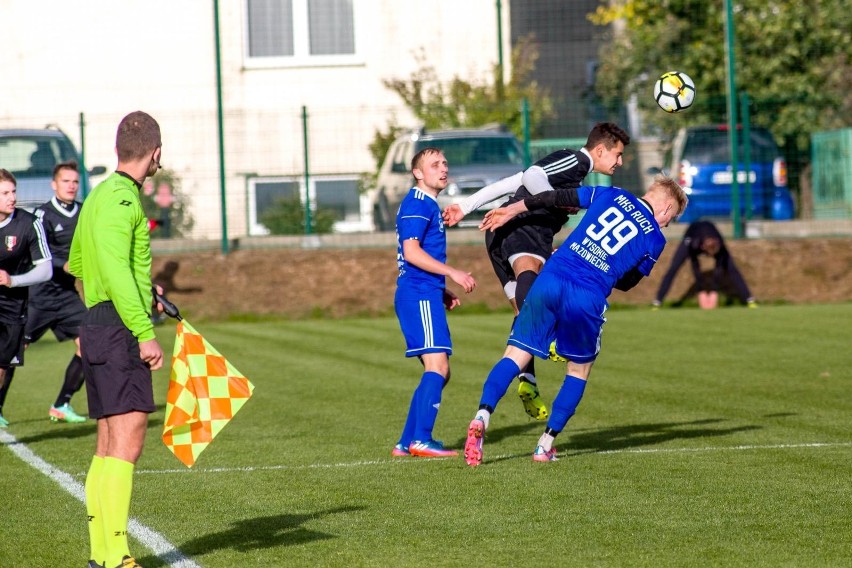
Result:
[{"x": 674, "y": 91}]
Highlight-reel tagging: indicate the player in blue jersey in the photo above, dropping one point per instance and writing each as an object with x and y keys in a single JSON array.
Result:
[
  {"x": 421, "y": 296},
  {"x": 615, "y": 245},
  {"x": 519, "y": 249}
]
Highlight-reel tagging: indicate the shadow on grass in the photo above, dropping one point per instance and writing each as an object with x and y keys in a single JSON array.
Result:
[
  {"x": 62, "y": 431},
  {"x": 582, "y": 442},
  {"x": 497, "y": 434},
  {"x": 262, "y": 532},
  {"x": 636, "y": 435}
]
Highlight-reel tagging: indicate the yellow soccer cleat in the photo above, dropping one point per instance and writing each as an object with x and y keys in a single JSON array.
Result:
[
  {"x": 554, "y": 356},
  {"x": 531, "y": 399}
]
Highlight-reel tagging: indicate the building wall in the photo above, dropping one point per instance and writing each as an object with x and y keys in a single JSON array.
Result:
[{"x": 158, "y": 56}]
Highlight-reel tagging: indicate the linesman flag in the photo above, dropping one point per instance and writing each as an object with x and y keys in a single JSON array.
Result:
[{"x": 205, "y": 392}]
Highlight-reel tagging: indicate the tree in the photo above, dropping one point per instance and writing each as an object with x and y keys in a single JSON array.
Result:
[
  {"x": 163, "y": 202},
  {"x": 468, "y": 102},
  {"x": 793, "y": 58}
]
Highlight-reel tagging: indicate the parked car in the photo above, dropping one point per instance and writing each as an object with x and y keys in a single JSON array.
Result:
[
  {"x": 476, "y": 157},
  {"x": 701, "y": 162},
  {"x": 31, "y": 154}
]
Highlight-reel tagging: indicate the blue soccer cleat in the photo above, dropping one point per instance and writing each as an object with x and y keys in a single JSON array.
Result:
[
  {"x": 430, "y": 449},
  {"x": 540, "y": 455},
  {"x": 64, "y": 413}
]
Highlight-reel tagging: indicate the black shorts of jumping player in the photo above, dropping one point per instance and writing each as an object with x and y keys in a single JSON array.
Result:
[
  {"x": 11, "y": 345},
  {"x": 64, "y": 322},
  {"x": 503, "y": 246},
  {"x": 118, "y": 381}
]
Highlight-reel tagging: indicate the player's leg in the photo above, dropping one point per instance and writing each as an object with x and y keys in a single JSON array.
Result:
[
  {"x": 6, "y": 375},
  {"x": 97, "y": 536},
  {"x": 578, "y": 339},
  {"x": 11, "y": 355},
  {"x": 739, "y": 282},
  {"x": 73, "y": 382},
  {"x": 527, "y": 268},
  {"x": 427, "y": 336}
]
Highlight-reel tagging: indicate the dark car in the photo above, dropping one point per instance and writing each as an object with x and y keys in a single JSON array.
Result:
[
  {"x": 476, "y": 158},
  {"x": 701, "y": 162},
  {"x": 31, "y": 154}
]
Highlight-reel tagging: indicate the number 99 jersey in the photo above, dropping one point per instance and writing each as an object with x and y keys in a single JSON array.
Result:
[{"x": 617, "y": 233}]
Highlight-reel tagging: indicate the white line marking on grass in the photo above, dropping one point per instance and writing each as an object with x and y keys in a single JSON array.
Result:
[
  {"x": 151, "y": 539},
  {"x": 401, "y": 461}
]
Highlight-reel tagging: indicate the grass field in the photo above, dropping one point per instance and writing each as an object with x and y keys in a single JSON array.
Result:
[{"x": 716, "y": 438}]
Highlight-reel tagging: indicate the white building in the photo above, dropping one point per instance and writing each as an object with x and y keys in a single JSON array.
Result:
[{"x": 104, "y": 58}]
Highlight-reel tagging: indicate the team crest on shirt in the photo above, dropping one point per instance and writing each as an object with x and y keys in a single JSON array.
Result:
[{"x": 11, "y": 241}]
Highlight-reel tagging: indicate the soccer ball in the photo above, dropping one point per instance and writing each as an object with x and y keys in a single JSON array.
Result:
[{"x": 674, "y": 91}]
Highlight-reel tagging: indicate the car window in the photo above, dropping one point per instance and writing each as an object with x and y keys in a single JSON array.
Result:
[
  {"x": 477, "y": 151},
  {"x": 34, "y": 156},
  {"x": 711, "y": 146}
]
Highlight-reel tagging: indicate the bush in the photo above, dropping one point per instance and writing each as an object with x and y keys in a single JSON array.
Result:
[{"x": 286, "y": 216}]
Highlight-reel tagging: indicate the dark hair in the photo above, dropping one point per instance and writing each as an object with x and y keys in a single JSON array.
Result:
[
  {"x": 6, "y": 175},
  {"x": 607, "y": 133},
  {"x": 138, "y": 134},
  {"x": 69, "y": 165},
  {"x": 415, "y": 161}
]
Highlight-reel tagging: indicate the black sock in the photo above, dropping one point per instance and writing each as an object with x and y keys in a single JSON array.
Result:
[
  {"x": 525, "y": 281},
  {"x": 10, "y": 372},
  {"x": 73, "y": 381}
]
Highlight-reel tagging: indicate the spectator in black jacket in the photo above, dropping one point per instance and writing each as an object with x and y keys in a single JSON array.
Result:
[{"x": 702, "y": 237}]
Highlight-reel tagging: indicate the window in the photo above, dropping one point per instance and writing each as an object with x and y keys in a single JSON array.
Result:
[
  {"x": 300, "y": 32},
  {"x": 338, "y": 193}
]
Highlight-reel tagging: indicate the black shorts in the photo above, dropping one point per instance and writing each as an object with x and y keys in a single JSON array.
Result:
[
  {"x": 64, "y": 321},
  {"x": 11, "y": 345},
  {"x": 524, "y": 239},
  {"x": 118, "y": 381}
]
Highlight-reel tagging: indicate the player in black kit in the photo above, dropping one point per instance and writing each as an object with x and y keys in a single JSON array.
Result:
[
  {"x": 519, "y": 249},
  {"x": 56, "y": 304},
  {"x": 24, "y": 261}
]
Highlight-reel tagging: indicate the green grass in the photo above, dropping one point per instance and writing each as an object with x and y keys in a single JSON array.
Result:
[{"x": 715, "y": 438}]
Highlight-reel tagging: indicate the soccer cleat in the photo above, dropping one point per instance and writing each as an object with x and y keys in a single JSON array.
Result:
[
  {"x": 533, "y": 404},
  {"x": 473, "y": 444},
  {"x": 93, "y": 564},
  {"x": 752, "y": 303},
  {"x": 539, "y": 455},
  {"x": 64, "y": 413},
  {"x": 655, "y": 305},
  {"x": 3, "y": 422},
  {"x": 129, "y": 562},
  {"x": 430, "y": 449},
  {"x": 555, "y": 356},
  {"x": 400, "y": 451}
]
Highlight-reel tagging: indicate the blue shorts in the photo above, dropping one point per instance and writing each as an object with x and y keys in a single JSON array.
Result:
[
  {"x": 424, "y": 324},
  {"x": 557, "y": 309}
]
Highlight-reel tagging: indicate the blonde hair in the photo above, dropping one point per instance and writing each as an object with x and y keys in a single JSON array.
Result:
[{"x": 671, "y": 189}]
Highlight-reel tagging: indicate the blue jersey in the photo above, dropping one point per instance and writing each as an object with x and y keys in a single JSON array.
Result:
[
  {"x": 419, "y": 217},
  {"x": 617, "y": 233}
]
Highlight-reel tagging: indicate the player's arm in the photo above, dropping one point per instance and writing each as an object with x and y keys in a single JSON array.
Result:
[
  {"x": 566, "y": 198},
  {"x": 506, "y": 186},
  {"x": 630, "y": 279},
  {"x": 414, "y": 254},
  {"x": 40, "y": 272}
]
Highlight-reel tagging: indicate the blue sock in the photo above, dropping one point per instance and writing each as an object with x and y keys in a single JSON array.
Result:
[
  {"x": 431, "y": 385},
  {"x": 408, "y": 430},
  {"x": 498, "y": 381},
  {"x": 565, "y": 403}
]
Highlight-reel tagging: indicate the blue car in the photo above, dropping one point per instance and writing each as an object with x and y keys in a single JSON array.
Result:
[{"x": 701, "y": 162}]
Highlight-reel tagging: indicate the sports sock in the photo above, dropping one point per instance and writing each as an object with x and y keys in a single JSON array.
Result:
[
  {"x": 115, "y": 489},
  {"x": 73, "y": 381},
  {"x": 525, "y": 282},
  {"x": 565, "y": 403},
  {"x": 527, "y": 378},
  {"x": 498, "y": 381},
  {"x": 546, "y": 440},
  {"x": 484, "y": 415},
  {"x": 97, "y": 545},
  {"x": 408, "y": 430},
  {"x": 431, "y": 385},
  {"x": 4, "y": 390}
]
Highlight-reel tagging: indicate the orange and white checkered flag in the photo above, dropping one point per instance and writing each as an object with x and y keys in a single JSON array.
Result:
[{"x": 205, "y": 392}]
